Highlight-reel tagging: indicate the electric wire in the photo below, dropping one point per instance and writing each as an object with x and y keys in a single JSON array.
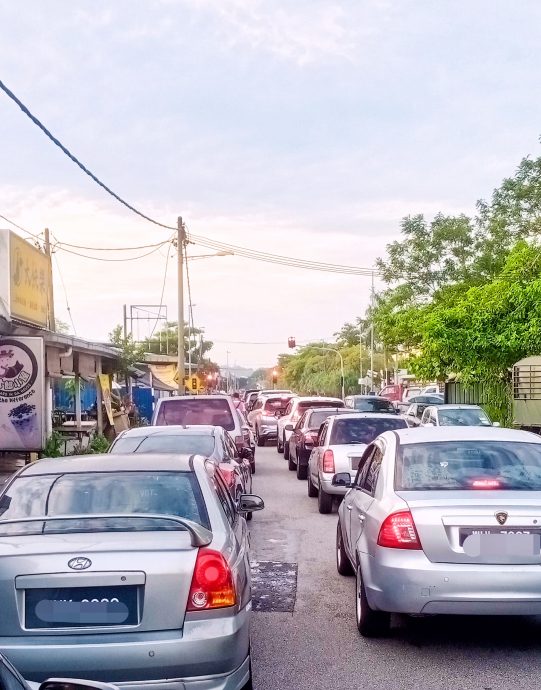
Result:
[
  {"x": 68, "y": 308},
  {"x": 109, "y": 249},
  {"x": 162, "y": 293},
  {"x": 27, "y": 232},
  {"x": 203, "y": 241},
  {"x": 100, "y": 258}
]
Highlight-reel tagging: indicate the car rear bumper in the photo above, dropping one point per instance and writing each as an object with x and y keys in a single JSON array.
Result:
[
  {"x": 268, "y": 431},
  {"x": 208, "y": 654},
  {"x": 407, "y": 582}
]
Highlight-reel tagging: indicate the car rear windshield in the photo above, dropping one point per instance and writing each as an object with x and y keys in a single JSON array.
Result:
[
  {"x": 465, "y": 417},
  {"x": 162, "y": 443},
  {"x": 373, "y": 405},
  {"x": 469, "y": 465},
  {"x": 303, "y": 406},
  {"x": 216, "y": 411},
  {"x": 92, "y": 493},
  {"x": 316, "y": 419},
  {"x": 276, "y": 405},
  {"x": 363, "y": 430}
]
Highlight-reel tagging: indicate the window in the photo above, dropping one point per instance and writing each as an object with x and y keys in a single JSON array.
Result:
[
  {"x": 363, "y": 465},
  {"x": 316, "y": 419},
  {"x": 88, "y": 493},
  {"x": 469, "y": 465},
  {"x": 215, "y": 411},
  {"x": 464, "y": 417},
  {"x": 231, "y": 447},
  {"x": 322, "y": 434},
  {"x": 165, "y": 443},
  {"x": 363, "y": 430},
  {"x": 373, "y": 404},
  {"x": 274, "y": 405},
  {"x": 289, "y": 408},
  {"x": 225, "y": 499},
  {"x": 348, "y": 402},
  {"x": 371, "y": 477}
]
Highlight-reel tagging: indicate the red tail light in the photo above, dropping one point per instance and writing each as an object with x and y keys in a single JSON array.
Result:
[
  {"x": 398, "y": 532},
  {"x": 212, "y": 582},
  {"x": 228, "y": 473},
  {"x": 328, "y": 461}
]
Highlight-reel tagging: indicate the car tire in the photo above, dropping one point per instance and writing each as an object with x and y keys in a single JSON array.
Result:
[
  {"x": 252, "y": 467},
  {"x": 370, "y": 623},
  {"x": 286, "y": 449},
  {"x": 324, "y": 502},
  {"x": 302, "y": 470},
  {"x": 312, "y": 490},
  {"x": 343, "y": 564},
  {"x": 249, "y": 516},
  {"x": 260, "y": 441},
  {"x": 279, "y": 448}
]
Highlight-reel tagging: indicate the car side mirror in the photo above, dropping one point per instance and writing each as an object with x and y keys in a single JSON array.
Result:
[
  {"x": 496, "y": 424},
  {"x": 75, "y": 684},
  {"x": 342, "y": 479},
  {"x": 246, "y": 454},
  {"x": 289, "y": 427},
  {"x": 248, "y": 503}
]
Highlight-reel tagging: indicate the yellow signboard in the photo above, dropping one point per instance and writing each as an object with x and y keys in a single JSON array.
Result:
[
  {"x": 193, "y": 383},
  {"x": 30, "y": 283},
  {"x": 105, "y": 385}
]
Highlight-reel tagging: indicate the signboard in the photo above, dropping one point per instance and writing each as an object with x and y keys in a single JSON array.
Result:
[
  {"x": 21, "y": 394},
  {"x": 105, "y": 386},
  {"x": 192, "y": 383},
  {"x": 26, "y": 291}
]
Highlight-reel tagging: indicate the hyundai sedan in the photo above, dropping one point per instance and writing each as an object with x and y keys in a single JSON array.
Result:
[
  {"x": 443, "y": 521},
  {"x": 130, "y": 569}
]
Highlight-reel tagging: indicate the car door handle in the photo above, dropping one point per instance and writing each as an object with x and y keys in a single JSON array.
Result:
[
  {"x": 362, "y": 518},
  {"x": 348, "y": 507}
]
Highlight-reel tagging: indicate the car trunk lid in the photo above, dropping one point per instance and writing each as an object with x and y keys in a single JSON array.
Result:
[{"x": 498, "y": 527}]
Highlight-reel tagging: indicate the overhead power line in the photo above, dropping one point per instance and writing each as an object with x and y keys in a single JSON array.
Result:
[
  {"x": 27, "y": 232},
  {"x": 203, "y": 241},
  {"x": 102, "y": 258}
]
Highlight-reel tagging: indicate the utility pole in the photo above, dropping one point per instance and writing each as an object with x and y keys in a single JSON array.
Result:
[
  {"x": 372, "y": 336},
  {"x": 361, "y": 353},
  {"x": 52, "y": 324},
  {"x": 125, "y": 319},
  {"x": 181, "y": 236}
]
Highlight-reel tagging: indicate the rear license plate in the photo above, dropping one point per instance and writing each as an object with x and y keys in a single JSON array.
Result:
[
  {"x": 79, "y": 607},
  {"x": 467, "y": 531}
]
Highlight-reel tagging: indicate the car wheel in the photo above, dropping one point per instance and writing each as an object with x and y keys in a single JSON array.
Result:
[
  {"x": 370, "y": 623},
  {"x": 279, "y": 446},
  {"x": 324, "y": 502},
  {"x": 302, "y": 470},
  {"x": 260, "y": 441},
  {"x": 312, "y": 490},
  {"x": 286, "y": 449},
  {"x": 252, "y": 467},
  {"x": 342, "y": 561},
  {"x": 249, "y": 516}
]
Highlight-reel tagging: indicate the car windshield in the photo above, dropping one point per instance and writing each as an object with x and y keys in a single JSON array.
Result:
[
  {"x": 88, "y": 493},
  {"x": 373, "y": 405},
  {"x": 469, "y": 465},
  {"x": 463, "y": 417},
  {"x": 215, "y": 411},
  {"x": 363, "y": 429},
  {"x": 163, "y": 443}
]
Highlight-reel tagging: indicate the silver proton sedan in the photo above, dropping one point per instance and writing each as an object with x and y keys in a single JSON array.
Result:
[
  {"x": 443, "y": 521},
  {"x": 128, "y": 569}
]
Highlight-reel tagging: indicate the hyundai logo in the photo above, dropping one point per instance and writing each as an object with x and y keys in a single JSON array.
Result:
[{"x": 79, "y": 563}]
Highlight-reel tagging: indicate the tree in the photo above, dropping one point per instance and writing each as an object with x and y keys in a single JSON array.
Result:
[
  {"x": 129, "y": 352},
  {"x": 165, "y": 341},
  {"x": 61, "y": 326}
]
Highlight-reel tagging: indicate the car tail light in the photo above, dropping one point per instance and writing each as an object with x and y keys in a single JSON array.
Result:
[
  {"x": 398, "y": 532},
  {"x": 328, "y": 461},
  {"x": 487, "y": 483},
  {"x": 212, "y": 582}
]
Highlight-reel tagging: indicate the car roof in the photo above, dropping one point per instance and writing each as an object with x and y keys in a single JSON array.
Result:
[
  {"x": 172, "y": 430},
  {"x": 176, "y": 398},
  {"x": 462, "y": 433},
  {"x": 370, "y": 415},
  {"x": 131, "y": 462},
  {"x": 315, "y": 398},
  {"x": 368, "y": 397},
  {"x": 450, "y": 406}
]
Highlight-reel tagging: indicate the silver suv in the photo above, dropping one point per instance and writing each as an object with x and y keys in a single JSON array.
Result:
[{"x": 265, "y": 414}]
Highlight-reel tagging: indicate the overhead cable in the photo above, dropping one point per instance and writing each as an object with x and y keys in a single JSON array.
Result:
[
  {"x": 37, "y": 237},
  {"x": 101, "y": 258}
]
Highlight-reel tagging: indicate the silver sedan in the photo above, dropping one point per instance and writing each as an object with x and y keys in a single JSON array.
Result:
[
  {"x": 130, "y": 569},
  {"x": 443, "y": 521}
]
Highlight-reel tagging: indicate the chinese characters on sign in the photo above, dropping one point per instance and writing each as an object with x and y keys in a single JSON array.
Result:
[
  {"x": 21, "y": 394},
  {"x": 30, "y": 282}
]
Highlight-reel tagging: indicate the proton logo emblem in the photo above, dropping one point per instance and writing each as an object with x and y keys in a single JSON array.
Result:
[
  {"x": 79, "y": 563},
  {"x": 501, "y": 517}
]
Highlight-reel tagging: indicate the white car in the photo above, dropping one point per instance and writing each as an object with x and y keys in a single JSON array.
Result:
[
  {"x": 294, "y": 411},
  {"x": 456, "y": 415},
  {"x": 341, "y": 442}
]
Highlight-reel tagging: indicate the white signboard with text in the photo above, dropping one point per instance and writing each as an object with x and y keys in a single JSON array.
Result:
[{"x": 21, "y": 394}]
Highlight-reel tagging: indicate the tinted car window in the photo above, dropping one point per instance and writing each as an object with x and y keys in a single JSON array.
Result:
[
  {"x": 160, "y": 443},
  {"x": 178, "y": 411},
  {"x": 315, "y": 419},
  {"x": 303, "y": 406},
  {"x": 162, "y": 493},
  {"x": 465, "y": 417},
  {"x": 274, "y": 405},
  {"x": 373, "y": 404},
  {"x": 469, "y": 465},
  {"x": 371, "y": 477},
  {"x": 362, "y": 430},
  {"x": 427, "y": 399}
]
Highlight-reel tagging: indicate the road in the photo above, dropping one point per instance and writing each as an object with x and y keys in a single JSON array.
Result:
[{"x": 317, "y": 646}]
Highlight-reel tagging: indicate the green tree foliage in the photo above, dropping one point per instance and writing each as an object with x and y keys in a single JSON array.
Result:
[
  {"x": 165, "y": 341},
  {"x": 129, "y": 352}
]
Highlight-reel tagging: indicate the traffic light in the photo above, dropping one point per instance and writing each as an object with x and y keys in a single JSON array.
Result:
[
  {"x": 291, "y": 343},
  {"x": 274, "y": 376}
]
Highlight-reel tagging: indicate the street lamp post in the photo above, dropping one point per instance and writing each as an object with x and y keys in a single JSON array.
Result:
[{"x": 332, "y": 349}]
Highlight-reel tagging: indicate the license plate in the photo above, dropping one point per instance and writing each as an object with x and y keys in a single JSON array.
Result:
[
  {"x": 467, "y": 531},
  {"x": 80, "y": 607}
]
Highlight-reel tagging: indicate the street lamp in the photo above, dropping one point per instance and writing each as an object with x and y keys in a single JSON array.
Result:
[
  {"x": 209, "y": 256},
  {"x": 332, "y": 349}
]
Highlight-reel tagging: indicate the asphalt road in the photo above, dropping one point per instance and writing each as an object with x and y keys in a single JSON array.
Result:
[{"x": 317, "y": 646}]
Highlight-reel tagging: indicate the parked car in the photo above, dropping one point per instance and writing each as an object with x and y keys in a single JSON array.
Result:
[
  {"x": 139, "y": 572},
  {"x": 249, "y": 437},
  {"x": 304, "y": 436},
  {"x": 443, "y": 521},
  {"x": 11, "y": 679},
  {"x": 265, "y": 414},
  {"x": 340, "y": 446},
  {"x": 432, "y": 389},
  {"x": 418, "y": 405},
  {"x": 294, "y": 412},
  {"x": 213, "y": 410},
  {"x": 212, "y": 442},
  {"x": 455, "y": 415},
  {"x": 369, "y": 403}
]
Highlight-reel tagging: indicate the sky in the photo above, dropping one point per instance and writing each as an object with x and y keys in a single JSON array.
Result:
[{"x": 306, "y": 128}]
